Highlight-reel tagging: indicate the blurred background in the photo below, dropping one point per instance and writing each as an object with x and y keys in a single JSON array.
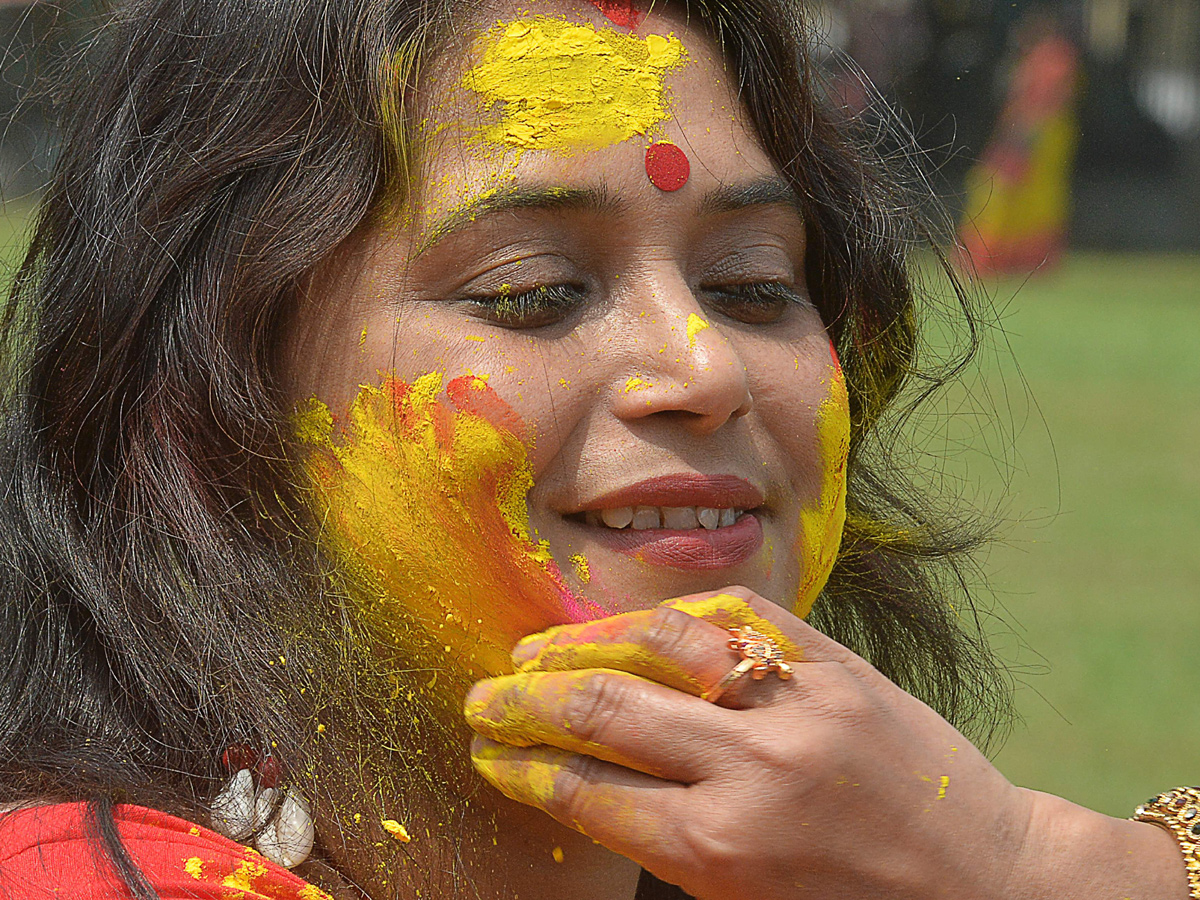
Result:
[{"x": 1063, "y": 140}]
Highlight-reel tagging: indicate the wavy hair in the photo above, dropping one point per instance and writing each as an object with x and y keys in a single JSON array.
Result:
[{"x": 161, "y": 594}]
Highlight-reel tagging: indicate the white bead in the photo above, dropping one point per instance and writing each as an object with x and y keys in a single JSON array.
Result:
[
  {"x": 288, "y": 838},
  {"x": 264, "y": 805},
  {"x": 233, "y": 810}
]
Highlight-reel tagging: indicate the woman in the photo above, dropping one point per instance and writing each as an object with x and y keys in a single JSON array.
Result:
[
  {"x": 1019, "y": 193},
  {"x": 358, "y": 342}
]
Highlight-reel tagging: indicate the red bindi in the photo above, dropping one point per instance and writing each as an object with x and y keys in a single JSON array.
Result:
[
  {"x": 668, "y": 166},
  {"x": 621, "y": 12}
]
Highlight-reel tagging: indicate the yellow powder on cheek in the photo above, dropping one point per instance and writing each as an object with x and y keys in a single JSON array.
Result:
[
  {"x": 423, "y": 502},
  {"x": 564, "y": 87},
  {"x": 822, "y": 522},
  {"x": 583, "y": 570}
]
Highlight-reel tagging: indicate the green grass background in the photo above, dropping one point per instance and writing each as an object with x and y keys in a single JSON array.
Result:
[
  {"x": 1097, "y": 577},
  {"x": 1102, "y": 575}
]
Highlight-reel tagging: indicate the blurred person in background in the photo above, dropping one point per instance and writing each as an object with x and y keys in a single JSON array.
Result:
[{"x": 1018, "y": 194}]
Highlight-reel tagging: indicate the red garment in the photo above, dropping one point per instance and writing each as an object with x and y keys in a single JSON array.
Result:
[{"x": 47, "y": 852}]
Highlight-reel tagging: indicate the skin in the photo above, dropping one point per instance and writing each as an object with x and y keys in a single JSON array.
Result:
[
  {"x": 832, "y": 784},
  {"x": 739, "y": 399}
]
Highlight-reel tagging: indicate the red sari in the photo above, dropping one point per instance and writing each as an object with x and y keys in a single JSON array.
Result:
[{"x": 47, "y": 852}]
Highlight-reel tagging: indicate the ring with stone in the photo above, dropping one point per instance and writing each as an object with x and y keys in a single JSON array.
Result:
[{"x": 760, "y": 656}]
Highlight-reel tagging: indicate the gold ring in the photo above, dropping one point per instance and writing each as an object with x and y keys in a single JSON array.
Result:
[{"x": 760, "y": 656}]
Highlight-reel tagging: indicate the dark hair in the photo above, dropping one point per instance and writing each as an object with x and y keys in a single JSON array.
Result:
[{"x": 162, "y": 596}]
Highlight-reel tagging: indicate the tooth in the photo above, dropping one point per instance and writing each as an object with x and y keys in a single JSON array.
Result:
[
  {"x": 728, "y": 517},
  {"x": 680, "y": 518},
  {"x": 617, "y": 518},
  {"x": 592, "y": 517},
  {"x": 645, "y": 517},
  {"x": 710, "y": 518}
]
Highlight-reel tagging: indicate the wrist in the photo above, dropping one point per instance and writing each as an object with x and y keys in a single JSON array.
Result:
[{"x": 1074, "y": 853}]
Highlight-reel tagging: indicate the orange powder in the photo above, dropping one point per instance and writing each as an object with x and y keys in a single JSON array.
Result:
[
  {"x": 422, "y": 498},
  {"x": 821, "y": 523}
]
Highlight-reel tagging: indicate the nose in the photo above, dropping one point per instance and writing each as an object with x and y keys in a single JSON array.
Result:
[{"x": 681, "y": 366}]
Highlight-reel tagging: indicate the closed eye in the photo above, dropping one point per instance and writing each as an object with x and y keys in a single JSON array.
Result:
[
  {"x": 542, "y": 305},
  {"x": 754, "y": 303}
]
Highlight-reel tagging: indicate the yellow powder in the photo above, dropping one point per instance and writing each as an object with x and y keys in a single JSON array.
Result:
[
  {"x": 729, "y": 611},
  {"x": 942, "y": 785},
  {"x": 423, "y": 500},
  {"x": 636, "y": 383},
  {"x": 695, "y": 325},
  {"x": 821, "y": 522},
  {"x": 565, "y": 87},
  {"x": 396, "y": 830},
  {"x": 194, "y": 867},
  {"x": 583, "y": 571},
  {"x": 243, "y": 879},
  {"x": 604, "y": 653},
  {"x": 557, "y": 854},
  {"x": 312, "y": 892},
  {"x": 533, "y": 779}
]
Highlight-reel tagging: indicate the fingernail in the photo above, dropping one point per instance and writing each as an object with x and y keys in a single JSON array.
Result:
[
  {"x": 528, "y": 648},
  {"x": 479, "y": 699}
]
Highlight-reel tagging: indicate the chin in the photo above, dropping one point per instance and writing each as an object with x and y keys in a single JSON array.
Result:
[{"x": 625, "y": 584}]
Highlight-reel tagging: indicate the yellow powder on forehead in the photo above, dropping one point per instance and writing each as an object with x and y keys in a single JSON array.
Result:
[{"x": 563, "y": 87}]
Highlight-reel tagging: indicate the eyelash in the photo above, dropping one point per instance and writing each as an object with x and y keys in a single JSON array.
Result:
[
  {"x": 545, "y": 304},
  {"x": 760, "y": 302}
]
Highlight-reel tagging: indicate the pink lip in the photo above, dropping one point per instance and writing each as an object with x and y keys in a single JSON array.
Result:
[
  {"x": 717, "y": 491},
  {"x": 694, "y": 549}
]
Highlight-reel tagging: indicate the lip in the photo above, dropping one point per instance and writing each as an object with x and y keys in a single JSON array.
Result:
[
  {"x": 696, "y": 549},
  {"x": 717, "y": 491}
]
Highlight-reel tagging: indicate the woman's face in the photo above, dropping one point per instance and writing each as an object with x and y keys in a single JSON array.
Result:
[{"x": 678, "y": 399}]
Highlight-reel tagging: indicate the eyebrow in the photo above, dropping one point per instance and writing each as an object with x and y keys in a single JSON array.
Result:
[
  {"x": 771, "y": 191},
  {"x": 550, "y": 199}
]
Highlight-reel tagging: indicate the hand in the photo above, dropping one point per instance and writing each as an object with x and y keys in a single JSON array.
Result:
[{"x": 834, "y": 783}]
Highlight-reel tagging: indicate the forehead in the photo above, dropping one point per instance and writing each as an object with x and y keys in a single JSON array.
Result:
[{"x": 559, "y": 91}]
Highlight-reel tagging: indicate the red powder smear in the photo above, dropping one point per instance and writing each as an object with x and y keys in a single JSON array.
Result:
[
  {"x": 420, "y": 494},
  {"x": 621, "y": 12},
  {"x": 668, "y": 166}
]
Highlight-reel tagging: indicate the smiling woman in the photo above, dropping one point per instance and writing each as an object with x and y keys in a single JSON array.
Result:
[{"x": 375, "y": 356}]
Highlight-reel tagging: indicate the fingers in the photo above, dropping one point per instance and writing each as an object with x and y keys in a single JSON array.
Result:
[
  {"x": 628, "y": 812},
  {"x": 611, "y": 716},
  {"x": 674, "y": 649},
  {"x": 741, "y": 607},
  {"x": 684, "y": 644}
]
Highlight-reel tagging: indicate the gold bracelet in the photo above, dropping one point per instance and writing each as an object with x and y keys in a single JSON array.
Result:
[{"x": 1178, "y": 811}]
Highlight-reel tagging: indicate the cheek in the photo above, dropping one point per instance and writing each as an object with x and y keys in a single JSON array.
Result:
[
  {"x": 422, "y": 496},
  {"x": 808, "y": 411},
  {"x": 540, "y": 386},
  {"x": 823, "y": 516}
]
